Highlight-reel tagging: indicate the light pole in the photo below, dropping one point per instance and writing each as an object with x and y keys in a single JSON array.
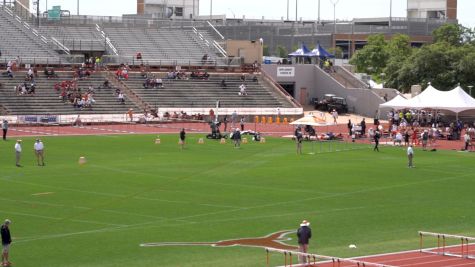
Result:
[
  {"x": 287, "y": 10},
  {"x": 296, "y": 10},
  {"x": 334, "y": 2},
  {"x": 318, "y": 11},
  {"x": 211, "y": 10},
  {"x": 390, "y": 15},
  {"x": 78, "y": 7}
]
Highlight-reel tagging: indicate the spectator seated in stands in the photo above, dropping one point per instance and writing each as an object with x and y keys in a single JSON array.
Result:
[
  {"x": 138, "y": 56},
  {"x": 106, "y": 84},
  {"x": 30, "y": 74},
  {"x": 171, "y": 75},
  {"x": 242, "y": 90},
  {"x": 199, "y": 75},
  {"x": 254, "y": 79},
  {"x": 182, "y": 76},
  {"x": 121, "y": 98},
  {"x": 143, "y": 71},
  {"x": 243, "y": 78},
  {"x": 204, "y": 59},
  {"x": 122, "y": 73},
  {"x": 83, "y": 73},
  {"x": 25, "y": 89},
  {"x": 9, "y": 72},
  {"x": 49, "y": 73},
  {"x": 223, "y": 83}
]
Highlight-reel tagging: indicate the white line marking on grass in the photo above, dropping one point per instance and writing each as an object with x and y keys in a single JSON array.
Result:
[
  {"x": 42, "y": 194},
  {"x": 59, "y": 219}
]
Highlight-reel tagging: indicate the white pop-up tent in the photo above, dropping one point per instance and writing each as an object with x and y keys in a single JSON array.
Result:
[
  {"x": 399, "y": 102},
  {"x": 456, "y": 100}
]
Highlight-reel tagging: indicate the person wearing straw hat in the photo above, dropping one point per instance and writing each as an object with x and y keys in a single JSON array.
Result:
[
  {"x": 304, "y": 233},
  {"x": 39, "y": 152},
  {"x": 6, "y": 241},
  {"x": 18, "y": 152}
]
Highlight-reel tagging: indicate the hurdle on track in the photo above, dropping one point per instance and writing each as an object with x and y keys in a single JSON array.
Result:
[
  {"x": 315, "y": 260},
  {"x": 442, "y": 246}
]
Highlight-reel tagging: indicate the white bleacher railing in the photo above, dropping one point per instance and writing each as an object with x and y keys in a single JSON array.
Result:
[
  {"x": 107, "y": 40},
  {"x": 214, "y": 28},
  {"x": 61, "y": 46},
  {"x": 209, "y": 44}
]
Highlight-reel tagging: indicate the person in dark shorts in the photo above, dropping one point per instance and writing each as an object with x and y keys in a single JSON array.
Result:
[
  {"x": 304, "y": 233},
  {"x": 377, "y": 135},
  {"x": 299, "y": 139},
  {"x": 182, "y": 138},
  {"x": 6, "y": 242}
]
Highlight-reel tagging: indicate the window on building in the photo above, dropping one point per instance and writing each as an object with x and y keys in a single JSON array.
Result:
[{"x": 179, "y": 11}]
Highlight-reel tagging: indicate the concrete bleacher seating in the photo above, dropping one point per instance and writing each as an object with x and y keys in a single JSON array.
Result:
[
  {"x": 46, "y": 100},
  {"x": 76, "y": 38},
  {"x": 155, "y": 45},
  {"x": 205, "y": 93},
  {"x": 17, "y": 41}
]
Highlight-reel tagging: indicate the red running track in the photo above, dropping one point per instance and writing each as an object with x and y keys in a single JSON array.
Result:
[
  {"x": 412, "y": 258},
  {"x": 265, "y": 129}
]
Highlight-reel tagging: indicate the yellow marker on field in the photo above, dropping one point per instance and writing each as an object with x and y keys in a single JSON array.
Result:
[
  {"x": 223, "y": 141},
  {"x": 82, "y": 160},
  {"x": 201, "y": 141}
]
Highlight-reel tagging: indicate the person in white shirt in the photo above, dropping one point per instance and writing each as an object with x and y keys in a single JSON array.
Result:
[
  {"x": 410, "y": 156},
  {"x": 18, "y": 152},
  {"x": 242, "y": 90},
  {"x": 39, "y": 152},
  {"x": 398, "y": 139}
]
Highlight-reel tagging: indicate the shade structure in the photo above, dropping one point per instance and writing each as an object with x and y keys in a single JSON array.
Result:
[
  {"x": 456, "y": 100},
  {"x": 399, "y": 102},
  {"x": 303, "y": 51},
  {"x": 319, "y": 51},
  {"x": 310, "y": 120}
]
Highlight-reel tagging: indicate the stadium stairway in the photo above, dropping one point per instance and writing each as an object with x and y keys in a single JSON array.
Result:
[
  {"x": 205, "y": 93},
  {"x": 17, "y": 41},
  {"x": 47, "y": 101}
]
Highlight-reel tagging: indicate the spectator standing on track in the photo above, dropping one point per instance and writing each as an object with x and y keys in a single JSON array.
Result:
[
  {"x": 467, "y": 140},
  {"x": 299, "y": 139},
  {"x": 233, "y": 118},
  {"x": 237, "y": 138},
  {"x": 5, "y": 129},
  {"x": 335, "y": 116},
  {"x": 225, "y": 121},
  {"x": 349, "y": 125},
  {"x": 304, "y": 233},
  {"x": 6, "y": 242},
  {"x": 410, "y": 156},
  {"x": 182, "y": 138},
  {"x": 39, "y": 152},
  {"x": 363, "y": 127},
  {"x": 242, "y": 123},
  {"x": 425, "y": 139},
  {"x": 18, "y": 152},
  {"x": 377, "y": 135}
]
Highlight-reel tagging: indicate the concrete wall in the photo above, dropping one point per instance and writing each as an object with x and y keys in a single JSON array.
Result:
[
  {"x": 318, "y": 83},
  {"x": 251, "y": 51}
]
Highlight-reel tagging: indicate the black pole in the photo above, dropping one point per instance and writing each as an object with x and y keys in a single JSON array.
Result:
[{"x": 38, "y": 12}]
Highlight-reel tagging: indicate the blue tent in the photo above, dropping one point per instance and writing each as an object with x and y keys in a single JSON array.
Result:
[
  {"x": 303, "y": 51},
  {"x": 319, "y": 51}
]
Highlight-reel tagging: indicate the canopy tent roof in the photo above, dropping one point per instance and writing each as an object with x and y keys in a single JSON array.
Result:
[
  {"x": 310, "y": 120},
  {"x": 397, "y": 102},
  {"x": 319, "y": 51},
  {"x": 303, "y": 51},
  {"x": 456, "y": 100}
]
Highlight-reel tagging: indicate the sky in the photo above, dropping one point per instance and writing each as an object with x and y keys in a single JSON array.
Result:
[{"x": 270, "y": 9}]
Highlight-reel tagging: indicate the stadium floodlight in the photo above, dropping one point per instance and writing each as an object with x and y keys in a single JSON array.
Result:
[{"x": 287, "y": 10}]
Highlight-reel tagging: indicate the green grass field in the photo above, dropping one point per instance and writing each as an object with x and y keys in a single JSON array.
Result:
[{"x": 132, "y": 191}]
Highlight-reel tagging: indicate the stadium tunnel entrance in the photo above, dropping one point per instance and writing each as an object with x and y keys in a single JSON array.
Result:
[{"x": 289, "y": 87}]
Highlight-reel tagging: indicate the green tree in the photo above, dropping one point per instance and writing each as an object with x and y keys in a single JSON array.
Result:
[
  {"x": 398, "y": 49},
  {"x": 449, "y": 33},
  {"x": 266, "y": 51},
  {"x": 373, "y": 57},
  {"x": 282, "y": 51},
  {"x": 338, "y": 52}
]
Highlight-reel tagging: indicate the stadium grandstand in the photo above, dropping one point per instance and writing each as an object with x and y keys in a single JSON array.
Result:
[{"x": 173, "y": 37}]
